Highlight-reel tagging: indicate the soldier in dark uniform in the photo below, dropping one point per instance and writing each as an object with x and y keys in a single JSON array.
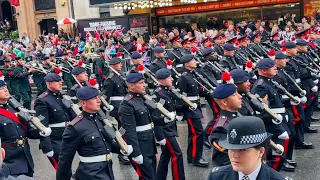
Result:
[
  {"x": 218, "y": 44},
  {"x": 56, "y": 115},
  {"x": 229, "y": 101},
  {"x": 86, "y": 135},
  {"x": 265, "y": 87},
  {"x": 22, "y": 80},
  {"x": 115, "y": 88},
  {"x": 67, "y": 77},
  {"x": 160, "y": 61},
  {"x": 256, "y": 44},
  {"x": 38, "y": 78},
  {"x": 275, "y": 41},
  {"x": 137, "y": 121},
  {"x": 100, "y": 70},
  {"x": 229, "y": 61},
  {"x": 14, "y": 132},
  {"x": 186, "y": 45},
  {"x": 188, "y": 85},
  {"x": 82, "y": 77},
  {"x": 87, "y": 61},
  {"x": 167, "y": 134},
  {"x": 177, "y": 52},
  {"x": 136, "y": 60},
  {"x": 246, "y": 142},
  {"x": 8, "y": 75}
]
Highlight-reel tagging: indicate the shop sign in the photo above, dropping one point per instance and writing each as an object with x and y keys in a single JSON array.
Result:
[
  {"x": 194, "y": 8},
  {"x": 103, "y": 2},
  {"x": 311, "y": 7},
  {"x": 139, "y": 24}
]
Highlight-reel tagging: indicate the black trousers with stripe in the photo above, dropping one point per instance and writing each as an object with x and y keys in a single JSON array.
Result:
[
  {"x": 171, "y": 151},
  {"x": 147, "y": 170},
  {"x": 195, "y": 139}
]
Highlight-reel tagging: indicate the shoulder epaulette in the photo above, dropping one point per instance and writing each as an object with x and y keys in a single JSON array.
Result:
[
  {"x": 128, "y": 97},
  {"x": 75, "y": 87},
  {"x": 222, "y": 121},
  {"x": 111, "y": 75},
  {"x": 184, "y": 73},
  {"x": 260, "y": 81},
  {"x": 158, "y": 89},
  {"x": 76, "y": 120},
  {"x": 43, "y": 95}
]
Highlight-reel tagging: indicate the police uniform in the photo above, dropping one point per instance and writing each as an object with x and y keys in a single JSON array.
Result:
[
  {"x": 244, "y": 133},
  {"x": 22, "y": 80},
  {"x": 188, "y": 85},
  {"x": 86, "y": 136},
  {"x": 75, "y": 71},
  {"x": 136, "y": 120},
  {"x": 229, "y": 62},
  {"x": 158, "y": 63},
  {"x": 49, "y": 105},
  {"x": 14, "y": 136},
  {"x": 168, "y": 132},
  {"x": 220, "y": 155}
]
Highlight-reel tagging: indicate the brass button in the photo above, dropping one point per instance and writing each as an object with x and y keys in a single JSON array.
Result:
[{"x": 108, "y": 157}]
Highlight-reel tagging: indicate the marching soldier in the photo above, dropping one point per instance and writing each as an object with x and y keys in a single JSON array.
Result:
[
  {"x": 246, "y": 152},
  {"x": 160, "y": 61},
  {"x": 275, "y": 41},
  {"x": 115, "y": 88},
  {"x": 38, "y": 78},
  {"x": 136, "y": 60},
  {"x": 56, "y": 116},
  {"x": 167, "y": 134},
  {"x": 256, "y": 44},
  {"x": 229, "y": 61},
  {"x": 22, "y": 80},
  {"x": 176, "y": 53},
  {"x": 188, "y": 85},
  {"x": 218, "y": 44},
  {"x": 81, "y": 76},
  {"x": 99, "y": 68},
  {"x": 86, "y": 135},
  {"x": 136, "y": 120},
  {"x": 67, "y": 77},
  {"x": 8, "y": 75},
  {"x": 263, "y": 87},
  {"x": 229, "y": 101}
]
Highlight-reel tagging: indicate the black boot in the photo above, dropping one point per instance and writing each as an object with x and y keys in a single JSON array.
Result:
[
  {"x": 287, "y": 167},
  {"x": 200, "y": 163},
  {"x": 311, "y": 130},
  {"x": 304, "y": 145},
  {"x": 292, "y": 162}
]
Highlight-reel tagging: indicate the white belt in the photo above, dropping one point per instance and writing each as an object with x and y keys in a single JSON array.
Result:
[
  {"x": 62, "y": 124},
  {"x": 219, "y": 81},
  {"x": 93, "y": 159},
  {"x": 278, "y": 110},
  {"x": 179, "y": 65},
  {"x": 193, "y": 98},
  {"x": 144, "y": 127},
  {"x": 116, "y": 98}
]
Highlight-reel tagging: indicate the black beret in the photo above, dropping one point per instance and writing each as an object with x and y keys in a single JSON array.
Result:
[
  {"x": 186, "y": 58},
  {"x": 280, "y": 55},
  {"x": 87, "y": 92},
  {"x": 136, "y": 56},
  {"x": 228, "y": 47},
  {"x": 52, "y": 77},
  {"x": 163, "y": 73},
  {"x": 290, "y": 45},
  {"x": 301, "y": 42},
  {"x": 2, "y": 83},
  {"x": 224, "y": 90},
  {"x": 265, "y": 63},
  {"x": 77, "y": 70},
  {"x": 18, "y": 58},
  {"x": 239, "y": 75},
  {"x": 206, "y": 52},
  {"x": 158, "y": 49},
  {"x": 134, "y": 77},
  {"x": 114, "y": 61}
]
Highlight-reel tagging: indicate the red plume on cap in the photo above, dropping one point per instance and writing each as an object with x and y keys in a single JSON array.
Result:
[
  {"x": 169, "y": 64},
  {"x": 249, "y": 66},
  {"x": 140, "y": 51},
  {"x": 282, "y": 43},
  {"x": 93, "y": 83},
  {"x": 306, "y": 38},
  {"x": 162, "y": 44},
  {"x": 283, "y": 50},
  {"x": 193, "y": 50},
  {"x": 293, "y": 39},
  {"x": 119, "y": 54},
  {"x": 226, "y": 77},
  {"x": 1, "y": 76},
  {"x": 210, "y": 45},
  {"x": 58, "y": 71},
  {"x": 141, "y": 69},
  {"x": 81, "y": 64},
  {"x": 272, "y": 54},
  {"x": 313, "y": 45}
]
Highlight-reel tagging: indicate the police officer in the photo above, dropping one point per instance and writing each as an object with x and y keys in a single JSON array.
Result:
[
  {"x": 136, "y": 120},
  {"x": 263, "y": 87},
  {"x": 81, "y": 76},
  {"x": 21, "y": 76},
  {"x": 167, "y": 134},
  {"x": 115, "y": 88},
  {"x": 49, "y": 104},
  {"x": 187, "y": 84},
  {"x": 229, "y": 101},
  {"x": 160, "y": 61},
  {"x": 229, "y": 61},
  {"x": 246, "y": 152},
  {"x": 86, "y": 135}
]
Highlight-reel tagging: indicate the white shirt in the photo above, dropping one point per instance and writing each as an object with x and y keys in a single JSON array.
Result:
[{"x": 252, "y": 176}]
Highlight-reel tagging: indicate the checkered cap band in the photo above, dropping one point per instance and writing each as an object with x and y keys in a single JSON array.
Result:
[{"x": 252, "y": 139}]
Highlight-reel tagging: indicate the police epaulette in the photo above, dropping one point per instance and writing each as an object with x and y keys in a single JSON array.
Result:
[
  {"x": 128, "y": 97},
  {"x": 158, "y": 89},
  {"x": 226, "y": 168},
  {"x": 260, "y": 81},
  {"x": 43, "y": 95},
  {"x": 184, "y": 73},
  {"x": 75, "y": 87},
  {"x": 110, "y": 75},
  {"x": 76, "y": 120}
]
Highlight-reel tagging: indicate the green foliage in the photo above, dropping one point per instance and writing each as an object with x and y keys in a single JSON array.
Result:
[
  {"x": 14, "y": 35},
  {"x": 2, "y": 35}
]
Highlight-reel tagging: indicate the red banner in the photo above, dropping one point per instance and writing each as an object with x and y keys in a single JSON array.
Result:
[
  {"x": 194, "y": 8},
  {"x": 15, "y": 3}
]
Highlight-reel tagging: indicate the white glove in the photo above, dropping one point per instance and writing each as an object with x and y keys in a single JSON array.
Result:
[
  {"x": 314, "y": 89},
  {"x": 106, "y": 109},
  {"x": 50, "y": 154},
  {"x": 138, "y": 159},
  {"x": 280, "y": 119},
  {"x": 287, "y": 118},
  {"x": 254, "y": 77},
  {"x": 166, "y": 120},
  {"x": 284, "y": 135},
  {"x": 280, "y": 147},
  {"x": 295, "y": 103},
  {"x": 316, "y": 81},
  {"x": 129, "y": 151},
  {"x": 162, "y": 142},
  {"x": 303, "y": 99},
  {"x": 46, "y": 132},
  {"x": 304, "y": 93},
  {"x": 172, "y": 116},
  {"x": 179, "y": 118},
  {"x": 195, "y": 106},
  {"x": 298, "y": 80}
]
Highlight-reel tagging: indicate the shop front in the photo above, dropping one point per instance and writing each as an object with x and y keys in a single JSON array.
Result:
[{"x": 197, "y": 15}]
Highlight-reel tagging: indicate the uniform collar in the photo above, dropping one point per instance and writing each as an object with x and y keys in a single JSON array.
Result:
[
  {"x": 164, "y": 87},
  {"x": 228, "y": 113},
  {"x": 4, "y": 106},
  {"x": 54, "y": 93},
  {"x": 252, "y": 176},
  {"x": 89, "y": 115},
  {"x": 265, "y": 78},
  {"x": 136, "y": 94}
]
